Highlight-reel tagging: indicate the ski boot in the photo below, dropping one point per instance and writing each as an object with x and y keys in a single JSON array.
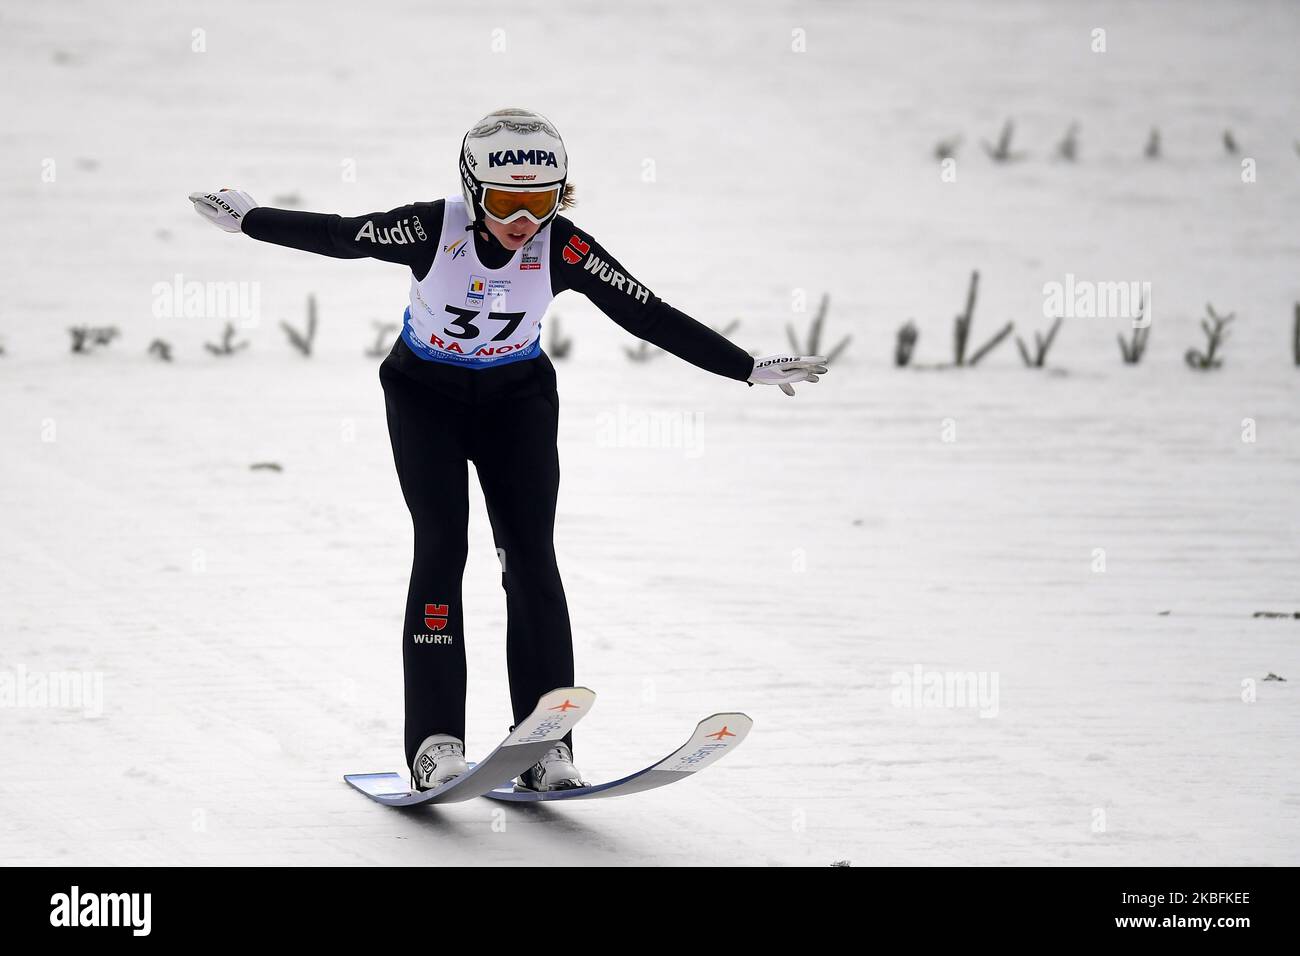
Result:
[
  {"x": 441, "y": 757},
  {"x": 555, "y": 771}
]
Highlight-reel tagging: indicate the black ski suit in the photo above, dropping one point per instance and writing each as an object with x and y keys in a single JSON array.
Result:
[{"x": 440, "y": 417}]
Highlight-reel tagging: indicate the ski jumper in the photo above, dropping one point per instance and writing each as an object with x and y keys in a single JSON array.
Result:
[{"x": 468, "y": 381}]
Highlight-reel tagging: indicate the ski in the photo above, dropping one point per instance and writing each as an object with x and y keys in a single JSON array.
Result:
[
  {"x": 555, "y": 715},
  {"x": 714, "y": 738}
]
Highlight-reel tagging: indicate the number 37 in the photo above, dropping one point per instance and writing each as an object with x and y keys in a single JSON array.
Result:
[{"x": 463, "y": 327}]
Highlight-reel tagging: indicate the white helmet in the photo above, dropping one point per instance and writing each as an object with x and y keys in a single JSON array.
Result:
[{"x": 512, "y": 164}]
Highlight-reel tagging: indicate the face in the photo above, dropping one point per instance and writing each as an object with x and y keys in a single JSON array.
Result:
[{"x": 516, "y": 234}]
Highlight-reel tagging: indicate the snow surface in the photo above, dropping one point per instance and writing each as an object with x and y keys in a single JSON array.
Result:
[{"x": 789, "y": 556}]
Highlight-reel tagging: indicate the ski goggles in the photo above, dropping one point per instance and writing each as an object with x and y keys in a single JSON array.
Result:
[{"x": 505, "y": 204}]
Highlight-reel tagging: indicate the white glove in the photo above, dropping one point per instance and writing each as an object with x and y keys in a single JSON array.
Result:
[
  {"x": 784, "y": 369},
  {"x": 225, "y": 207}
]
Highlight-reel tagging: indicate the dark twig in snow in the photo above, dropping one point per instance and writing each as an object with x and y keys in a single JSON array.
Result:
[
  {"x": 86, "y": 337},
  {"x": 1042, "y": 345},
  {"x": 1295, "y": 336},
  {"x": 642, "y": 352},
  {"x": 228, "y": 344},
  {"x": 1068, "y": 148},
  {"x": 992, "y": 343},
  {"x": 1133, "y": 349},
  {"x": 961, "y": 330},
  {"x": 558, "y": 344},
  {"x": 1152, "y": 150},
  {"x": 303, "y": 341},
  {"x": 905, "y": 343},
  {"x": 1002, "y": 152},
  {"x": 947, "y": 148},
  {"x": 1215, "y": 335},
  {"x": 814, "y": 339},
  {"x": 383, "y": 334}
]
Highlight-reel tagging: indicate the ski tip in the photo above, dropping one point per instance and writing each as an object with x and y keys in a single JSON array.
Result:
[
  {"x": 729, "y": 727},
  {"x": 715, "y": 737},
  {"x": 554, "y": 716},
  {"x": 564, "y": 699}
]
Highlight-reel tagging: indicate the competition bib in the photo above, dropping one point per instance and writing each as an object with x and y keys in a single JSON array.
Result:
[{"x": 462, "y": 313}]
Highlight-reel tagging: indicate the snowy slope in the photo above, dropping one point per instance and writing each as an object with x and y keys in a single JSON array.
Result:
[{"x": 786, "y": 557}]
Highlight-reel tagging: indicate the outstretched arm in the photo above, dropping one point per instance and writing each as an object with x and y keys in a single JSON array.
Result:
[
  {"x": 579, "y": 262},
  {"x": 406, "y": 235}
]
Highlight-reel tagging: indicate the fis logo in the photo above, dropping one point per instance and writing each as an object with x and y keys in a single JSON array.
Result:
[
  {"x": 531, "y": 257},
  {"x": 404, "y": 232},
  {"x": 522, "y": 157},
  {"x": 456, "y": 249},
  {"x": 435, "y": 616}
]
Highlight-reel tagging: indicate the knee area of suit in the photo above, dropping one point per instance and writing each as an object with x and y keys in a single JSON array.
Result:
[
  {"x": 531, "y": 562},
  {"x": 431, "y": 550},
  {"x": 543, "y": 592}
]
